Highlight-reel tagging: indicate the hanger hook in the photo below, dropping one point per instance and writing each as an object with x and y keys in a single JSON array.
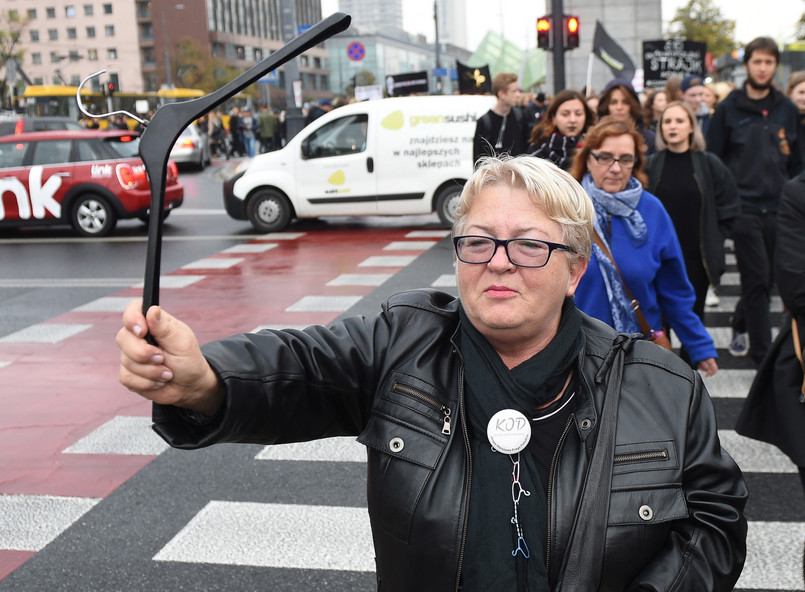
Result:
[{"x": 101, "y": 115}]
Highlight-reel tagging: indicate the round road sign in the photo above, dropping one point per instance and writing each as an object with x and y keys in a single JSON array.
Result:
[{"x": 356, "y": 51}]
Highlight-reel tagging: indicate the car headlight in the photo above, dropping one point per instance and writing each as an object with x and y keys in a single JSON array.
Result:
[{"x": 244, "y": 164}]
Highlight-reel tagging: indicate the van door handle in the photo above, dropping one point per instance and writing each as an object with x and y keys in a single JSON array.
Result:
[{"x": 370, "y": 164}]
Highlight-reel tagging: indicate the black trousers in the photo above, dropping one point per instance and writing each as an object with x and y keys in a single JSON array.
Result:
[{"x": 754, "y": 238}]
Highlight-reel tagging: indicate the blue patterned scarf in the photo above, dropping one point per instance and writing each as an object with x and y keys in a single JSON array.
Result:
[{"x": 624, "y": 205}]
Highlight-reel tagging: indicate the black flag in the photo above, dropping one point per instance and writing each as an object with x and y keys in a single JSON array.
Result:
[
  {"x": 473, "y": 81},
  {"x": 612, "y": 54}
]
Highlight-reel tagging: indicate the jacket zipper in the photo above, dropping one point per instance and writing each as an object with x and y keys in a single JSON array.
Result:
[
  {"x": 641, "y": 456},
  {"x": 462, "y": 417},
  {"x": 550, "y": 494},
  {"x": 429, "y": 401}
]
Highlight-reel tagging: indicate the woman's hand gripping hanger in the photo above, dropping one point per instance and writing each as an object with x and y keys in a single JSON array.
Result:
[{"x": 170, "y": 119}]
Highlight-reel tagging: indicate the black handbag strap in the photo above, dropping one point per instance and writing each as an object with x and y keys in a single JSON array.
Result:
[{"x": 583, "y": 561}]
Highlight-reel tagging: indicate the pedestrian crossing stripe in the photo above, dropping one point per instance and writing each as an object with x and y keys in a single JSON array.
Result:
[
  {"x": 29, "y": 522},
  {"x": 275, "y": 535},
  {"x": 410, "y": 245}
]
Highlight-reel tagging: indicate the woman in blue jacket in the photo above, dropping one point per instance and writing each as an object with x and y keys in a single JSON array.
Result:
[{"x": 635, "y": 228}]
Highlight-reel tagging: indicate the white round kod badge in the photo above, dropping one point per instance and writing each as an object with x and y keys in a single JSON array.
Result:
[{"x": 509, "y": 431}]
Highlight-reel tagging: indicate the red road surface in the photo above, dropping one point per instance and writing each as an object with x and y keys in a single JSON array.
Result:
[{"x": 55, "y": 394}]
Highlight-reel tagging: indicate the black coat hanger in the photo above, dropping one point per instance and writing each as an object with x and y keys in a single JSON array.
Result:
[{"x": 170, "y": 119}]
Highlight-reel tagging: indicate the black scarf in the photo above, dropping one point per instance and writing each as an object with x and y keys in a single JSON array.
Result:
[
  {"x": 558, "y": 149},
  {"x": 490, "y": 387}
]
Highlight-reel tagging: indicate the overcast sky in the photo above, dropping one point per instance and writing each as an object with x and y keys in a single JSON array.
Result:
[{"x": 516, "y": 19}]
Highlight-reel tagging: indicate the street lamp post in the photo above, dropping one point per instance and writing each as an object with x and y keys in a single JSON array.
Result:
[
  {"x": 438, "y": 59},
  {"x": 294, "y": 120},
  {"x": 168, "y": 76}
]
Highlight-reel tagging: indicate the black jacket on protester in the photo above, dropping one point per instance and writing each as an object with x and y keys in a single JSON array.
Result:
[
  {"x": 676, "y": 509},
  {"x": 773, "y": 412},
  {"x": 720, "y": 206},
  {"x": 762, "y": 149},
  {"x": 487, "y": 130}
]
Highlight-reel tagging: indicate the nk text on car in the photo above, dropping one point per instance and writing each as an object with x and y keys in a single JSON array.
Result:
[{"x": 88, "y": 179}]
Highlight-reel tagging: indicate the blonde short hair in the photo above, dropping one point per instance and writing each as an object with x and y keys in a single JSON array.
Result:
[{"x": 550, "y": 188}]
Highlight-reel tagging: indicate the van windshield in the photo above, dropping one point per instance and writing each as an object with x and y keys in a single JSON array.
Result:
[{"x": 345, "y": 135}]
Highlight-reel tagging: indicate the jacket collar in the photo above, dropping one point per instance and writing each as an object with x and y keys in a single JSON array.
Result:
[{"x": 742, "y": 100}]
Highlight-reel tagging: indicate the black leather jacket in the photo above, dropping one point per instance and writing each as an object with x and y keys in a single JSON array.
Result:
[{"x": 396, "y": 381}]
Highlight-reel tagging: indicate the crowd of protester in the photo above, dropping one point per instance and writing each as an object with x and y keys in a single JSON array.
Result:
[{"x": 674, "y": 173}]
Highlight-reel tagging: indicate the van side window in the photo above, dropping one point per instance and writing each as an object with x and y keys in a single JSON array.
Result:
[
  {"x": 52, "y": 152},
  {"x": 11, "y": 154},
  {"x": 346, "y": 135}
]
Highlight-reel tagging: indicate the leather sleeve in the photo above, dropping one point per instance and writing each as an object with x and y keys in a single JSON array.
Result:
[
  {"x": 286, "y": 386},
  {"x": 707, "y": 550}
]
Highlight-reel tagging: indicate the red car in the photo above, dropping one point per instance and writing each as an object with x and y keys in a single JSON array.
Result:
[{"x": 89, "y": 179}]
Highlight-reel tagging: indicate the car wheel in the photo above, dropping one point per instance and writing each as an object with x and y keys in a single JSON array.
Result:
[
  {"x": 269, "y": 211},
  {"x": 92, "y": 215},
  {"x": 446, "y": 203}
]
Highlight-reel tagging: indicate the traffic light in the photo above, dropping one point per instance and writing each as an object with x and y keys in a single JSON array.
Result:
[
  {"x": 571, "y": 32},
  {"x": 110, "y": 89},
  {"x": 544, "y": 32}
]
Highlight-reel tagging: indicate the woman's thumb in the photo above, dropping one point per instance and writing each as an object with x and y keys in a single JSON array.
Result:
[{"x": 158, "y": 323}]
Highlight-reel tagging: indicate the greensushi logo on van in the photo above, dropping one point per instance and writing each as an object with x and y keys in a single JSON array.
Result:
[
  {"x": 393, "y": 121},
  {"x": 416, "y": 120},
  {"x": 396, "y": 120}
]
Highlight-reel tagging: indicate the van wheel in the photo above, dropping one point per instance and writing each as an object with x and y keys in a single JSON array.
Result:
[
  {"x": 269, "y": 211},
  {"x": 92, "y": 215},
  {"x": 446, "y": 203}
]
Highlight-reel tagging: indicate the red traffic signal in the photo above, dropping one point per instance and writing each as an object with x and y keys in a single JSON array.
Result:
[
  {"x": 110, "y": 88},
  {"x": 544, "y": 32},
  {"x": 571, "y": 32}
]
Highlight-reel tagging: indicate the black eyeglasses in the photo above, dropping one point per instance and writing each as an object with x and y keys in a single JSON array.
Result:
[
  {"x": 608, "y": 160},
  {"x": 523, "y": 252}
]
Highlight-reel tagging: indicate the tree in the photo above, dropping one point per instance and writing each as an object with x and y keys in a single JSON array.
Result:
[
  {"x": 11, "y": 28},
  {"x": 196, "y": 69},
  {"x": 361, "y": 78},
  {"x": 701, "y": 20}
]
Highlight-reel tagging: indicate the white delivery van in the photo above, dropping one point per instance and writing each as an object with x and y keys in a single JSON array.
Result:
[{"x": 408, "y": 155}]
